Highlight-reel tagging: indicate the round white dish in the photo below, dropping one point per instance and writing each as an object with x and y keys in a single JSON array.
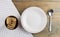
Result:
[{"x": 33, "y": 19}]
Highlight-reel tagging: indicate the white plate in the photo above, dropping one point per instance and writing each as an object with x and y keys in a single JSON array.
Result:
[
  {"x": 33, "y": 19},
  {"x": 7, "y": 8}
]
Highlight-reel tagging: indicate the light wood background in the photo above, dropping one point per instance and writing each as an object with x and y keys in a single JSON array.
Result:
[{"x": 45, "y": 5}]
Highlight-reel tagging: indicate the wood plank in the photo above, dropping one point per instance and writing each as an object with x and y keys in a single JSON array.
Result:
[
  {"x": 36, "y": 0},
  {"x": 21, "y": 6}
]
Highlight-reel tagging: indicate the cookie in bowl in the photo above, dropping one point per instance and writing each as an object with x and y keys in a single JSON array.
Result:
[{"x": 11, "y": 22}]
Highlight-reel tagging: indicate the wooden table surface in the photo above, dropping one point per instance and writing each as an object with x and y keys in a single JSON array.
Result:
[{"x": 45, "y": 5}]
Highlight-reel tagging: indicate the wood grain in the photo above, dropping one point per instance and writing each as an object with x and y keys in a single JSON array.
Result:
[
  {"x": 21, "y": 5},
  {"x": 37, "y": 0}
]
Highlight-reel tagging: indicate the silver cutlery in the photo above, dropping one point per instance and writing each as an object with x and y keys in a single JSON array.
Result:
[{"x": 50, "y": 13}]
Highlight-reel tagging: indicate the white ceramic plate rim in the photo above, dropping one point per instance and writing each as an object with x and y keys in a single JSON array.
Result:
[{"x": 24, "y": 23}]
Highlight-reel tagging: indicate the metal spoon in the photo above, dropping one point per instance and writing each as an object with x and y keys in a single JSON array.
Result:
[{"x": 50, "y": 13}]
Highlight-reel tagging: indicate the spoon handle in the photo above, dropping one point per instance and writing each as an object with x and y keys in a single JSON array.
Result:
[{"x": 50, "y": 23}]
